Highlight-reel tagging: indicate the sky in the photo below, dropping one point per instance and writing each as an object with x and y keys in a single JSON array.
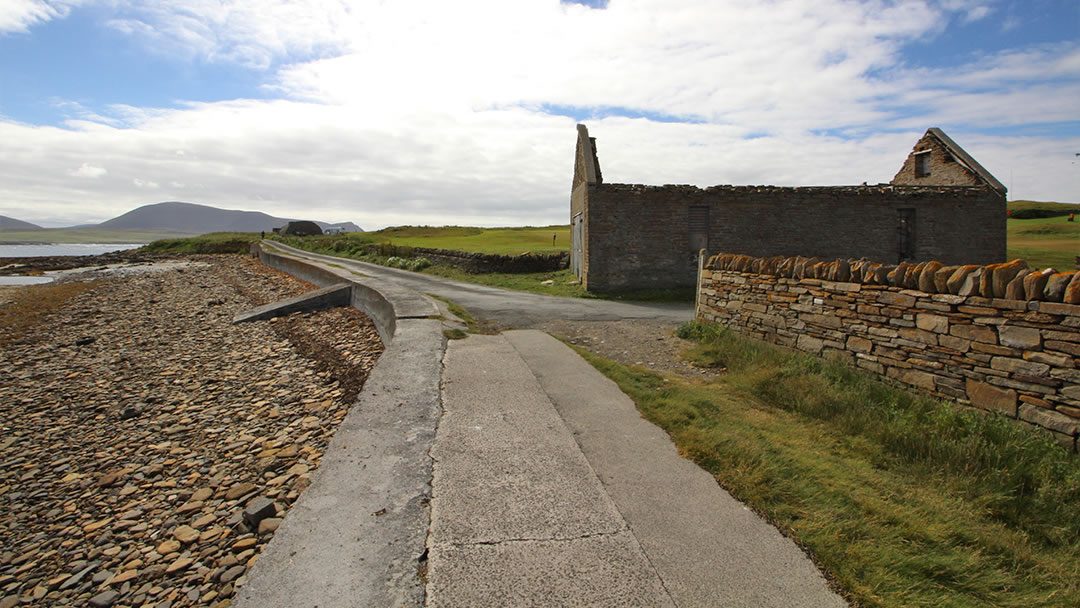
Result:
[{"x": 392, "y": 112}]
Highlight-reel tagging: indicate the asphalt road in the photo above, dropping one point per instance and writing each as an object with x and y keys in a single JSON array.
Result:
[{"x": 507, "y": 308}]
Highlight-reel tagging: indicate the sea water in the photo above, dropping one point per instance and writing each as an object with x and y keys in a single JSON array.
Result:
[{"x": 49, "y": 249}]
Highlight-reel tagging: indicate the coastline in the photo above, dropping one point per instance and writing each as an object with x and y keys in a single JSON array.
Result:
[{"x": 153, "y": 445}]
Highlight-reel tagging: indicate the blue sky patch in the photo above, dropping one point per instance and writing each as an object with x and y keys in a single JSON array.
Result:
[{"x": 81, "y": 60}]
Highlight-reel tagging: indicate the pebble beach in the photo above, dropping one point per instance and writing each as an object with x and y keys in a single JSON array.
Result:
[{"x": 149, "y": 447}]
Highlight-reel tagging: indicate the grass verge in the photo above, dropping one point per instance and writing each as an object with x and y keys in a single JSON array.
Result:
[{"x": 902, "y": 500}]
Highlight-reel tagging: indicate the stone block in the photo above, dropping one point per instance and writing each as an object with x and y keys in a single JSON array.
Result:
[
  {"x": 1035, "y": 282},
  {"x": 1072, "y": 291},
  {"x": 914, "y": 378},
  {"x": 1055, "y": 308},
  {"x": 1068, "y": 375},
  {"x": 1019, "y": 337},
  {"x": 1015, "y": 289},
  {"x": 934, "y": 323},
  {"x": 809, "y": 344},
  {"x": 988, "y": 397},
  {"x": 896, "y": 299},
  {"x": 918, "y": 335},
  {"x": 859, "y": 345},
  {"x": 1003, "y": 274},
  {"x": 975, "y": 333},
  {"x": 1019, "y": 366},
  {"x": 972, "y": 281},
  {"x": 958, "y": 344},
  {"x": 995, "y": 350},
  {"x": 1065, "y": 347},
  {"x": 1056, "y": 285},
  {"x": 926, "y": 277},
  {"x": 1050, "y": 359},
  {"x": 941, "y": 278},
  {"x": 1049, "y": 419}
]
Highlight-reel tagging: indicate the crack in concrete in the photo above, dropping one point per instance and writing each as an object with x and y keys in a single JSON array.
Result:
[{"x": 554, "y": 539}]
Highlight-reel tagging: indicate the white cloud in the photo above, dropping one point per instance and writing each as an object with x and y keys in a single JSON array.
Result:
[
  {"x": 21, "y": 15},
  {"x": 86, "y": 170},
  {"x": 435, "y": 112}
]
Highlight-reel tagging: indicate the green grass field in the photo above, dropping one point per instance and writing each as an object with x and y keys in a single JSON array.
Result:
[
  {"x": 902, "y": 500},
  {"x": 85, "y": 235},
  {"x": 503, "y": 241},
  {"x": 1045, "y": 242}
]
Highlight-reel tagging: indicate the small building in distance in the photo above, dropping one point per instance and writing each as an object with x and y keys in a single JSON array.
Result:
[{"x": 627, "y": 236}]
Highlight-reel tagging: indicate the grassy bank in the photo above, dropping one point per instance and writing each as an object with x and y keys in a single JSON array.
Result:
[
  {"x": 214, "y": 242},
  {"x": 904, "y": 501}
]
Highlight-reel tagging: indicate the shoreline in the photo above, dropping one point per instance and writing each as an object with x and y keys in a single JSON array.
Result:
[{"x": 153, "y": 446}]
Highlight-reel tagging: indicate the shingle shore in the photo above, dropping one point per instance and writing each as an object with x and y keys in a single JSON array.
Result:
[{"x": 149, "y": 448}]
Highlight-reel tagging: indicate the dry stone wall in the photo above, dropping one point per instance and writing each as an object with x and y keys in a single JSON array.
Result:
[
  {"x": 1002, "y": 337},
  {"x": 478, "y": 263}
]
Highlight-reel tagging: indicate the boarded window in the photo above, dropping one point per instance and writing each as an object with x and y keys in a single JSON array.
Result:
[
  {"x": 698, "y": 219},
  {"x": 922, "y": 164},
  {"x": 905, "y": 229}
]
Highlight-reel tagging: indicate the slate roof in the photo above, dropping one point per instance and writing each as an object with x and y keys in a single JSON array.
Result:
[{"x": 966, "y": 159}]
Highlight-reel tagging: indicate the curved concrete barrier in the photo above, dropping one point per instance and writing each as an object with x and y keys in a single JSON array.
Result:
[{"x": 356, "y": 536}]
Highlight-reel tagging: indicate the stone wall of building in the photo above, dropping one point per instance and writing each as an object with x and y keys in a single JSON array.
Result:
[
  {"x": 1002, "y": 338},
  {"x": 942, "y": 168},
  {"x": 640, "y": 236}
]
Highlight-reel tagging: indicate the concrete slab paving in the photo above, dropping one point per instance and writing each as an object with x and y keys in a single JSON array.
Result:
[
  {"x": 518, "y": 517},
  {"x": 596, "y": 571},
  {"x": 708, "y": 548}
]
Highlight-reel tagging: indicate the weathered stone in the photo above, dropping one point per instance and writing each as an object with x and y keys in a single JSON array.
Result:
[
  {"x": 918, "y": 335},
  {"x": 1056, "y": 285},
  {"x": 935, "y": 323},
  {"x": 809, "y": 344},
  {"x": 1035, "y": 283},
  {"x": 959, "y": 278},
  {"x": 239, "y": 490},
  {"x": 268, "y": 525},
  {"x": 972, "y": 282},
  {"x": 258, "y": 510},
  {"x": 1019, "y": 337},
  {"x": 1072, "y": 290},
  {"x": 1015, "y": 289},
  {"x": 911, "y": 279},
  {"x": 104, "y": 599},
  {"x": 1003, "y": 274},
  {"x": 1010, "y": 364},
  {"x": 186, "y": 534},
  {"x": 859, "y": 345},
  {"x": 957, "y": 344},
  {"x": 926, "y": 277},
  {"x": 989, "y": 397},
  {"x": 1049, "y": 419},
  {"x": 896, "y": 299},
  {"x": 975, "y": 333}
]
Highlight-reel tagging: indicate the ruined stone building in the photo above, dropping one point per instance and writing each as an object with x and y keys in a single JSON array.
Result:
[{"x": 942, "y": 205}]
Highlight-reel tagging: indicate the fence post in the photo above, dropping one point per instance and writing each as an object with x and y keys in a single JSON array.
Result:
[{"x": 697, "y": 286}]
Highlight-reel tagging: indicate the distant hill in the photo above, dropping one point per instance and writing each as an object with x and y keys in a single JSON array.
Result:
[
  {"x": 199, "y": 219},
  {"x": 10, "y": 223}
]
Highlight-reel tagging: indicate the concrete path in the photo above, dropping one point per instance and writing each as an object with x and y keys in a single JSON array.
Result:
[
  {"x": 507, "y": 308},
  {"x": 506, "y": 471},
  {"x": 549, "y": 489}
]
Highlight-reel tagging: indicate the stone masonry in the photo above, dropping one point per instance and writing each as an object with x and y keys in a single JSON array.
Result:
[
  {"x": 1001, "y": 338},
  {"x": 632, "y": 236}
]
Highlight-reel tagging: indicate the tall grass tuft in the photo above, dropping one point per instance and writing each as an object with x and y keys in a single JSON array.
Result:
[{"x": 1026, "y": 480}]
